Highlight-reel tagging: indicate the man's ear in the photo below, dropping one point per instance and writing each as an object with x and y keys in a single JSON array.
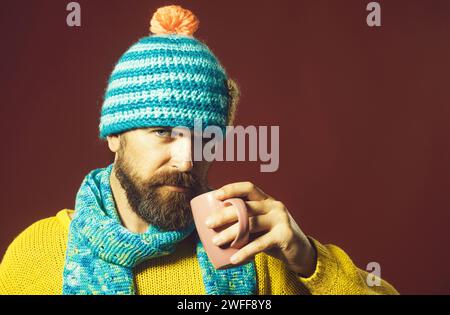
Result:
[{"x": 114, "y": 142}]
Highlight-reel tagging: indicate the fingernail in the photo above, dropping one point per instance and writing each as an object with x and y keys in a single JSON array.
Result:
[
  {"x": 209, "y": 222},
  {"x": 217, "y": 240},
  {"x": 234, "y": 259},
  {"x": 218, "y": 193}
]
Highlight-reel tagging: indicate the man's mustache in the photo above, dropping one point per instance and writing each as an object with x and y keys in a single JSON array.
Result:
[{"x": 186, "y": 180}]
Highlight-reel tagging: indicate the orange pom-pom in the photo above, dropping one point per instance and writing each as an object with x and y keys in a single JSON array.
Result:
[{"x": 173, "y": 19}]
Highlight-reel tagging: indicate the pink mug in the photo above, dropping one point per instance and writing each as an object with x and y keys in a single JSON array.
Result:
[{"x": 205, "y": 204}]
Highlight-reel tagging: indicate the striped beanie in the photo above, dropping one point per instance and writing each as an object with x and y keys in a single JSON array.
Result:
[{"x": 168, "y": 78}]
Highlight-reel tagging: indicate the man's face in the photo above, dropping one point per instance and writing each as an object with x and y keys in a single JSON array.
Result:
[{"x": 156, "y": 171}]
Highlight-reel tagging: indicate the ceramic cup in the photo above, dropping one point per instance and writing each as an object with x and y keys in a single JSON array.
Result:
[{"x": 205, "y": 204}]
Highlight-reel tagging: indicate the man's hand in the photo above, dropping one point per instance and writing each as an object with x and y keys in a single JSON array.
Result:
[{"x": 279, "y": 235}]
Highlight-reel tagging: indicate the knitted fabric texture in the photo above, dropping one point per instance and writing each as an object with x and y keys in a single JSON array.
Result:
[
  {"x": 34, "y": 264},
  {"x": 166, "y": 79},
  {"x": 101, "y": 253}
]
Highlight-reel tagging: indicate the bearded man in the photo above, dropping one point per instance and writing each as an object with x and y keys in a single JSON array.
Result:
[{"x": 132, "y": 230}]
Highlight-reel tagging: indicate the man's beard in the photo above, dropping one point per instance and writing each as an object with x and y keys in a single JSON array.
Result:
[{"x": 169, "y": 210}]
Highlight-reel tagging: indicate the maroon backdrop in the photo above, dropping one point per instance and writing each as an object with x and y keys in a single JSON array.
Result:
[{"x": 363, "y": 115}]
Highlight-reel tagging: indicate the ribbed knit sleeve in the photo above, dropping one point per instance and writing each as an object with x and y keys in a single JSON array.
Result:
[
  {"x": 336, "y": 274},
  {"x": 33, "y": 262}
]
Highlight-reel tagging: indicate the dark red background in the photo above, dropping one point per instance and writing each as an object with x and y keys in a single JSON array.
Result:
[{"x": 363, "y": 115}]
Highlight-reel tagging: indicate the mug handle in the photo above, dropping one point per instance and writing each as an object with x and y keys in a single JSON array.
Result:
[{"x": 244, "y": 227}]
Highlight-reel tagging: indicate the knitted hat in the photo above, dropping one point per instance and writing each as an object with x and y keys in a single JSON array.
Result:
[{"x": 168, "y": 78}]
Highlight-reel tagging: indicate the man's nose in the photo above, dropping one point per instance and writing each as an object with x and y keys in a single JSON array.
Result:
[{"x": 181, "y": 153}]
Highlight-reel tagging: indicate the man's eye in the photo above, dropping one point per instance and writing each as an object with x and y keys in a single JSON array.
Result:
[{"x": 162, "y": 133}]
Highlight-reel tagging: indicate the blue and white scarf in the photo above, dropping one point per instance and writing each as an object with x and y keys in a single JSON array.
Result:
[{"x": 102, "y": 253}]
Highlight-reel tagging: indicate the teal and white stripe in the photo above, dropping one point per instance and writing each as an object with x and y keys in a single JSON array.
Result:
[
  {"x": 159, "y": 113},
  {"x": 162, "y": 95},
  {"x": 161, "y": 78}
]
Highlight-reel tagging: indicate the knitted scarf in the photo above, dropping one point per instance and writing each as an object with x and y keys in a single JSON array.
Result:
[{"x": 102, "y": 253}]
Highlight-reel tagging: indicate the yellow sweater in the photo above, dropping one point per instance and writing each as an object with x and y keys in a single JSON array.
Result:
[{"x": 34, "y": 263}]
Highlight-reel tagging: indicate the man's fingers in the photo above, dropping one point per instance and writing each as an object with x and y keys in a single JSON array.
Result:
[
  {"x": 257, "y": 224},
  {"x": 229, "y": 213},
  {"x": 260, "y": 244},
  {"x": 241, "y": 189}
]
